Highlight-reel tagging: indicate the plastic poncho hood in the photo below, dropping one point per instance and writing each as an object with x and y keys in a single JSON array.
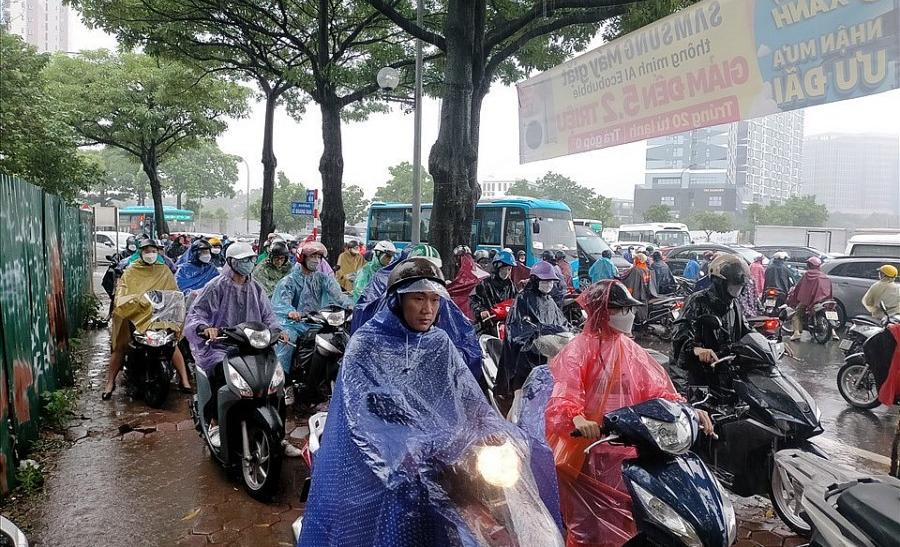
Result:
[
  {"x": 599, "y": 371},
  {"x": 813, "y": 287},
  {"x": 398, "y": 460},
  {"x": 131, "y": 306},
  {"x": 192, "y": 274},
  {"x": 225, "y": 303},
  {"x": 267, "y": 274},
  {"x": 468, "y": 277}
]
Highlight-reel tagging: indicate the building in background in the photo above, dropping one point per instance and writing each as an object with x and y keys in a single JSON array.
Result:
[
  {"x": 42, "y": 23},
  {"x": 623, "y": 210},
  {"x": 723, "y": 168},
  {"x": 856, "y": 174},
  {"x": 495, "y": 188}
]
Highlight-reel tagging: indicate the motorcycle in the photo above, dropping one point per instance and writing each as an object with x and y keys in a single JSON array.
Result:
[
  {"x": 661, "y": 317},
  {"x": 770, "y": 327},
  {"x": 842, "y": 506},
  {"x": 684, "y": 287},
  {"x": 318, "y": 355},
  {"x": 148, "y": 361},
  {"x": 492, "y": 334},
  {"x": 249, "y": 408},
  {"x": 863, "y": 327},
  {"x": 11, "y": 535},
  {"x": 822, "y": 321},
  {"x": 856, "y": 380},
  {"x": 773, "y": 301},
  {"x": 757, "y": 411},
  {"x": 676, "y": 499},
  {"x": 572, "y": 311}
]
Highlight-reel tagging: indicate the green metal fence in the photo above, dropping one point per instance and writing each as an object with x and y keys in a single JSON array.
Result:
[{"x": 45, "y": 268}]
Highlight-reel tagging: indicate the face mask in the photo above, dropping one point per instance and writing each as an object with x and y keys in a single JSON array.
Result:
[
  {"x": 150, "y": 258},
  {"x": 505, "y": 272},
  {"x": 546, "y": 286},
  {"x": 132, "y": 247},
  {"x": 204, "y": 257},
  {"x": 621, "y": 321},
  {"x": 312, "y": 264},
  {"x": 735, "y": 290},
  {"x": 242, "y": 267},
  {"x": 216, "y": 250}
]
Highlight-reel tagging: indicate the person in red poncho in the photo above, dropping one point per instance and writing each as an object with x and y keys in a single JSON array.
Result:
[
  {"x": 813, "y": 287},
  {"x": 599, "y": 371},
  {"x": 468, "y": 276}
]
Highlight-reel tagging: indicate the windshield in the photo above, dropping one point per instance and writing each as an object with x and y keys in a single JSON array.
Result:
[
  {"x": 590, "y": 242},
  {"x": 557, "y": 231},
  {"x": 671, "y": 238}
]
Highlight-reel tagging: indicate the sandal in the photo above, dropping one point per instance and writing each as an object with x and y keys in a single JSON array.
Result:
[{"x": 107, "y": 395}]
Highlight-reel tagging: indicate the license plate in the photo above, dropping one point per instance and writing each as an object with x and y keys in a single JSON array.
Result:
[
  {"x": 770, "y": 302},
  {"x": 831, "y": 315},
  {"x": 845, "y": 344}
]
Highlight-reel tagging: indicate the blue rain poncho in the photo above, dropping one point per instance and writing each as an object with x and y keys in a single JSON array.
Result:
[
  {"x": 303, "y": 293},
  {"x": 603, "y": 268},
  {"x": 193, "y": 275},
  {"x": 397, "y": 464},
  {"x": 450, "y": 318}
]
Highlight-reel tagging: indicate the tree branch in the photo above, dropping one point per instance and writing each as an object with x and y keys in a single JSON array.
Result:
[{"x": 410, "y": 27}]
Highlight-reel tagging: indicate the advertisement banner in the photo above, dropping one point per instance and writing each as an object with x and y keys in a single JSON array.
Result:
[{"x": 715, "y": 62}]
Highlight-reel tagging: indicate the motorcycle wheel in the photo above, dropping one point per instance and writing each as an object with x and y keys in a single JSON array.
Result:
[
  {"x": 865, "y": 396},
  {"x": 821, "y": 329},
  {"x": 156, "y": 384},
  {"x": 261, "y": 473},
  {"x": 786, "y": 501}
]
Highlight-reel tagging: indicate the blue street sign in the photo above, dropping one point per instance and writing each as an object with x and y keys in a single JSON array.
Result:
[
  {"x": 301, "y": 208},
  {"x": 310, "y": 196}
]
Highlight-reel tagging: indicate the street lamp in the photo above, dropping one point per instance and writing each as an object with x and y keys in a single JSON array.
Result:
[{"x": 247, "y": 169}]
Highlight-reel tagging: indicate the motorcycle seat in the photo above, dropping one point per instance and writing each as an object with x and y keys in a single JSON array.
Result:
[
  {"x": 867, "y": 319},
  {"x": 872, "y": 507}
]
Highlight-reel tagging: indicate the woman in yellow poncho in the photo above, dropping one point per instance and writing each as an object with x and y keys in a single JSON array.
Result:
[
  {"x": 148, "y": 272},
  {"x": 349, "y": 262}
]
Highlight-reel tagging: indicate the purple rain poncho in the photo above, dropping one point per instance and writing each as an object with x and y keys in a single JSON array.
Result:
[{"x": 224, "y": 303}]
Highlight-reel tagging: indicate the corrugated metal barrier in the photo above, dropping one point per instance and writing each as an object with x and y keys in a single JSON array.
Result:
[{"x": 45, "y": 268}]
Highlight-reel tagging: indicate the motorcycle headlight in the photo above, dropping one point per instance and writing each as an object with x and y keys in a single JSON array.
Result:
[
  {"x": 155, "y": 338},
  {"x": 277, "y": 380},
  {"x": 259, "y": 339},
  {"x": 667, "y": 518},
  {"x": 334, "y": 318},
  {"x": 498, "y": 465},
  {"x": 672, "y": 437},
  {"x": 238, "y": 381}
]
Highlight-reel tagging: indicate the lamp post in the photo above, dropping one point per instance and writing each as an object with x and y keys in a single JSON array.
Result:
[{"x": 247, "y": 214}]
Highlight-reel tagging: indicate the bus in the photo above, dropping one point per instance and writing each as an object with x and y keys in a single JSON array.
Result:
[
  {"x": 594, "y": 225},
  {"x": 661, "y": 234},
  {"x": 520, "y": 223}
]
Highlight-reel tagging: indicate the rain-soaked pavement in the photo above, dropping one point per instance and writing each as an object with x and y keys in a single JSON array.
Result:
[{"x": 138, "y": 476}]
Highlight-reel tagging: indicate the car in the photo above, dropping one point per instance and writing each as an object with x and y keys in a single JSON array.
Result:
[
  {"x": 678, "y": 257},
  {"x": 590, "y": 246},
  {"x": 797, "y": 255},
  {"x": 874, "y": 245},
  {"x": 109, "y": 243},
  {"x": 851, "y": 277}
]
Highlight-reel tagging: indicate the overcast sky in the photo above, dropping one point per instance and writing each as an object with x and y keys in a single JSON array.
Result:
[{"x": 384, "y": 140}]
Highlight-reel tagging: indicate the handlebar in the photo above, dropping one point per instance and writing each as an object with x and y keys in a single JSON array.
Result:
[{"x": 726, "y": 359}]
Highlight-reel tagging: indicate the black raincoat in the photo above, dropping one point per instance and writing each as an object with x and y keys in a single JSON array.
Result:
[
  {"x": 778, "y": 275},
  {"x": 491, "y": 292}
]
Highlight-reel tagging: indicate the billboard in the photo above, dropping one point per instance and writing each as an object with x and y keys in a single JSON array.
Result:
[{"x": 715, "y": 62}]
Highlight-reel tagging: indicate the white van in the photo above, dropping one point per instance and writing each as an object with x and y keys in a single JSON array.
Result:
[{"x": 881, "y": 245}]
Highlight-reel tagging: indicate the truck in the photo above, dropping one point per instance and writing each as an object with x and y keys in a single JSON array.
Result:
[{"x": 829, "y": 240}]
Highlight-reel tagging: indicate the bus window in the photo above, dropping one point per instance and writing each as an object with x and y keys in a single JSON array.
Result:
[
  {"x": 672, "y": 238},
  {"x": 514, "y": 238},
  {"x": 424, "y": 225},
  {"x": 388, "y": 224},
  {"x": 488, "y": 221}
]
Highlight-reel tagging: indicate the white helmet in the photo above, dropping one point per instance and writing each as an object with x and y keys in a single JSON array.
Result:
[
  {"x": 239, "y": 250},
  {"x": 385, "y": 246},
  {"x": 780, "y": 255}
]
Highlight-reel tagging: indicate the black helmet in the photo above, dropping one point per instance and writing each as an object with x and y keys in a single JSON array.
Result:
[
  {"x": 606, "y": 254},
  {"x": 619, "y": 297},
  {"x": 657, "y": 255},
  {"x": 279, "y": 249},
  {"x": 147, "y": 241},
  {"x": 548, "y": 256},
  {"x": 560, "y": 255},
  {"x": 200, "y": 244},
  {"x": 731, "y": 268},
  {"x": 413, "y": 269}
]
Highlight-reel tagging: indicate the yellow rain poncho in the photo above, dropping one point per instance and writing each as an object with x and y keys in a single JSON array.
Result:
[
  {"x": 348, "y": 264},
  {"x": 131, "y": 307}
]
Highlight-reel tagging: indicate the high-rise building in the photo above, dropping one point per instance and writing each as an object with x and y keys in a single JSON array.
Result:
[
  {"x": 41, "y": 23},
  {"x": 853, "y": 173},
  {"x": 495, "y": 188},
  {"x": 623, "y": 210},
  {"x": 723, "y": 168}
]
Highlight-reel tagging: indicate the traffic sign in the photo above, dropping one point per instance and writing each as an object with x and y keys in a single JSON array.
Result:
[
  {"x": 301, "y": 207},
  {"x": 311, "y": 196}
]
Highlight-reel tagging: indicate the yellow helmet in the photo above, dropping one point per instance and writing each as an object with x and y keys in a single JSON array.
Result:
[
  {"x": 888, "y": 270},
  {"x": 214, "y": 241}
]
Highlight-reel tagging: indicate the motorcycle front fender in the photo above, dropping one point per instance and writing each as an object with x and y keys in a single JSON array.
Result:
[{"x": 270, "y": 416}]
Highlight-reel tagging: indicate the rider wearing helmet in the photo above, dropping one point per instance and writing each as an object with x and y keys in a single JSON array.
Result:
[
  {"x": 218, "y": 259},
  {"x": 813, "y": 287},
  {"x": 483, "y": 259},
  {"x": 197, "y": 269},
  {"x": 534, "y": 313},
  {"x": 383, "y": 254},
  {"x": 886, "y": 291},
  {"x": 697, "y": 340},
  {"x": 468, "y": 276},
  {"x": 349, "y": 263},
  {"x": 778, "y": 275},
  {"x": 599, "y": 371},
  {"x": 564, "y": 268},
  {"x": 273, "y": 269},
  {"x": 304, "y": 290},
  {"x": 495, "y": 289}
]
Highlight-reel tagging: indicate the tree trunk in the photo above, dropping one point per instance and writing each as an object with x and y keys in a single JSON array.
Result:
[
  {"x": 452, "y": 156},
  {"x": 178, "y": 199},
  {"x": 141, "y": 198},
  {"x": 475, "y": 134},
  {"x": 266, "y": 214},
  {"x": 150, "y": 163},
  {"x": 331, "y": 166}
]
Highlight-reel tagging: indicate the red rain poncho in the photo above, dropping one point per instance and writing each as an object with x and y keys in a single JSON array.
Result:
[
  {"x": 599, "y": 371},
  {"x": 890, "y": 389},
  {"x": 467, "y": 278},
  {"x": 813, "y": 287}
]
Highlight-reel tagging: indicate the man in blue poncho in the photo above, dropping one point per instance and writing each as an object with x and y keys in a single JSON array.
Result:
[
  {"x": 451, "y": 319},
  {"x": 603, "y": 268},
  {"x": 304, "y": 290},
  {"x": 412, "y": 453},
  {"x": 197, "y": 270}
]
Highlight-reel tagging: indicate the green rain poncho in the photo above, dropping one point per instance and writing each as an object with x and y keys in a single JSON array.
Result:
[
  {"x": 364, "y": 277},
  {"x": 268, "y": 275}
]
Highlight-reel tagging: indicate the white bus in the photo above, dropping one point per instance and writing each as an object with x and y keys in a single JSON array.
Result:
[{"x": 661, "y": 234}]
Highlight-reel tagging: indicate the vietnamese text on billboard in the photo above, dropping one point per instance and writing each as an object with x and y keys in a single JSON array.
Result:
[{"x": 715, "y": 62}]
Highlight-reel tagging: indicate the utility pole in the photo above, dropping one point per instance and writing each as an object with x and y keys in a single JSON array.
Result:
[{"x": 416, "y": 235}]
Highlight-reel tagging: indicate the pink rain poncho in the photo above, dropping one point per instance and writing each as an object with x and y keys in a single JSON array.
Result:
[
  {"x": 467, "y": 278},
  {"x": 813, "y": 287},
  {"x": 599, "y": 371}
]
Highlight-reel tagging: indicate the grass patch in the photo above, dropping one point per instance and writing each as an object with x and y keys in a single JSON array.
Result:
[{"x": 57, "y": 407}]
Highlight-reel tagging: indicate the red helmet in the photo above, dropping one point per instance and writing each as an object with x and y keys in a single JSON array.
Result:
[
  {"x": 312, "y": 248},
  {"x": 813, "y": 263}
]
